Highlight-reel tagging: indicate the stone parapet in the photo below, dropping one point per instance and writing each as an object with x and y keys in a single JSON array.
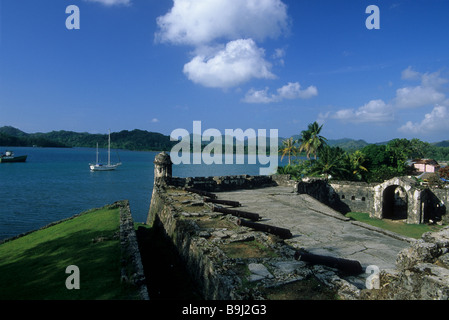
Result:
[{"x": 223, "y": 183}]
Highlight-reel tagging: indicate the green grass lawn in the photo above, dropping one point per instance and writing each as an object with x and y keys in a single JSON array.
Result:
[
  {"x": 33, "y": 266},
  {"x": 397, "y": 226}
]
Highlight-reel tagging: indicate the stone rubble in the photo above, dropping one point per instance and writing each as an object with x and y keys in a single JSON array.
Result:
[{"x": 421, "y": 271}]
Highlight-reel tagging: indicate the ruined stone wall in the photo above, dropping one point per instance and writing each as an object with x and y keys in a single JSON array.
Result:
[
  {"x": 225, "y": 183},
  {"x": 357, "y": 196},
  {"x": 318, "y": 189},
  {"x": 132, "y": 269},
  {"x": 341, "y": 196},
  {"x": 200, "y": 258},
  {"x": 203, "y": 239},
  {"x": 439, "y": 201},
  {"x": 284, "y": 180},
  {"x": 423, "y": 204},
  {"x": 421, "y": 273}
]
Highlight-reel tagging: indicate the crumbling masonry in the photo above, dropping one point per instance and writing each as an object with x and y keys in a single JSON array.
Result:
[{"x": 209, "y": 241}]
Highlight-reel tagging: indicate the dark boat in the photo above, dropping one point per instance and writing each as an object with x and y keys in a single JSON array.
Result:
[{"x": 10, "y": 157}]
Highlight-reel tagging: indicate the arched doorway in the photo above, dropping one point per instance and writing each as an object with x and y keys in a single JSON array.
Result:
[
  {"x": 394, "y": 203},
  {"x": 433, "y": 208}
]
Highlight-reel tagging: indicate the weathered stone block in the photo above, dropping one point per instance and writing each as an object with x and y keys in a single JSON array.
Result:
[
  {"x": 440, "y": 238},
  {"x": 429, "y": 282},
  {"x": 258, "y": 272},
  {"x": 418, "y": 252}
]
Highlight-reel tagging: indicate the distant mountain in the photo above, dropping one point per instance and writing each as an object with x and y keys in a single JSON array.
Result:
[
  {"x": 13, "y": 132},
  {"x": 10, "y": 136},
  {"x": 348, "y": 144},
  {"x": 345, "y": 143},
  {"x": 442, "y": 144},
  {"x": 138, "y": 140}
]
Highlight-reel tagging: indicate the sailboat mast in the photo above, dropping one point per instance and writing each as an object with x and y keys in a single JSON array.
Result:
[
  {"x": 109, "y": 148},
  {"x": 97, "y": 154}
]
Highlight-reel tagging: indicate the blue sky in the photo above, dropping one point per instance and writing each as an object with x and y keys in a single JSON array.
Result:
[{"x": 159, "y": 65}]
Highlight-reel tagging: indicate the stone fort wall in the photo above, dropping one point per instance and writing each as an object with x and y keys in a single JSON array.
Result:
[
  {"x": 424, "y": 204},
  {"x": 422, "y": 269},
  {"x": 343, "y": 196},
  {"x": 421, "y": 272}
]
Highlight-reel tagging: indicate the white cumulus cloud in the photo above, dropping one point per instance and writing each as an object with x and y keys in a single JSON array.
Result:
[
  {"x": 291, "y": 91},
  {"x": 428, "y": 92},
  {"x": 375, "y": 111},
  {"x": 414, "y": 97},
  {"x": 223, "y": 34},
  {"x": 410, "y": 74},
  {"x": 435, "y": 121},
  {"x": 240, "y": 61},
  {"x": 200, "y": 22},
  {"x": 294, "y": 91},
  {"x": 258, "y": 96}
]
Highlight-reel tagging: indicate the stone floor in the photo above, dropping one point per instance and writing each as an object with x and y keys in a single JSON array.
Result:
[{"x": 318, "y": 228}]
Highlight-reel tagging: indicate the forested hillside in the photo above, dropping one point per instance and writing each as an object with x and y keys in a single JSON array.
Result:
[{"x": 131, "y": 140}]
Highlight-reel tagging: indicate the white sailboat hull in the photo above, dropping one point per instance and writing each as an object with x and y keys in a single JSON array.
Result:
[{"x": 103, "y": 167}]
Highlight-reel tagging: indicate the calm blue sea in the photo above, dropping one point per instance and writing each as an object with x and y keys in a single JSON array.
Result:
[{"x": 54, "y": 184}]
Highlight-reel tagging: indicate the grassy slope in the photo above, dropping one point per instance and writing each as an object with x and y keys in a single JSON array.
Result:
[
  {"x": 400, "y": 227},
  {"x": 33, "y": 267}
]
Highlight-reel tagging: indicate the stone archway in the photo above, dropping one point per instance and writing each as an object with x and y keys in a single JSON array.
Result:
[
  {"x": 398, "y": 198},
  {"x": 394, "y": 203},
  {"x": 433, "y": 209}
]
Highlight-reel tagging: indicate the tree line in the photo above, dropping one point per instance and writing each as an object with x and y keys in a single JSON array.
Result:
[
  {"x": 7, "y": 140},
  {"x": 372, "y": 163},
  {"x": 135, "y": 140}
]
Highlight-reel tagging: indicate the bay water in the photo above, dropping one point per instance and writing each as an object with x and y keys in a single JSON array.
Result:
[{"x": 56, "y": 183}]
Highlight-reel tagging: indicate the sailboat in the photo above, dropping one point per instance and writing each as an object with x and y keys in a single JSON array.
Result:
[{"x": 105, "y": 167}]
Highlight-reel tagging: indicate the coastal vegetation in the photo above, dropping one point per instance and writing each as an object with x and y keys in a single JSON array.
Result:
[{"x": 370, "y": 163}]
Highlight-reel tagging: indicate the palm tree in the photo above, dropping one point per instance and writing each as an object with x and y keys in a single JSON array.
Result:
[
  {"x": 330, "y": 162},
  {"x": 311, "y": 141},
  {"x": 304, "y": 143},
  {"x": 288, "y": 148},
  {"x": 356, "y": 161}
]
